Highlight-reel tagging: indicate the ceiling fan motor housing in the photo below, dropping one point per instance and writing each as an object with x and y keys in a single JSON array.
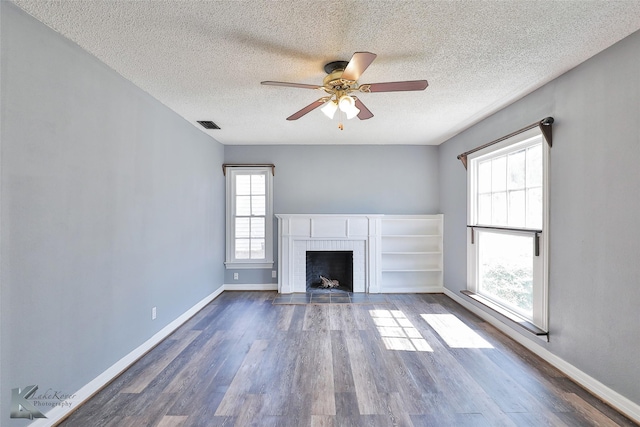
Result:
[
  {"x": 334, "y": 80},
  {"x": 335, "y": 65}
]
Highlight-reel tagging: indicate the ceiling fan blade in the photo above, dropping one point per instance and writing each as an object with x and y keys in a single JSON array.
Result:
[
  {"x": 358, "y": 63},
  {"x": 397, "y": 86},
  {"x": 364, "y": 113},
  {"x": 308, "y": 108},
  {"x": 300, "y": 85}
]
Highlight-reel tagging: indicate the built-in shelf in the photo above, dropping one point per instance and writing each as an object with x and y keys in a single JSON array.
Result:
[{"x": 411, "y": 253}]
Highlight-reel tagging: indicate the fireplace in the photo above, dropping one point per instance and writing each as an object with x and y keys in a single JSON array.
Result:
[
  {"x": 302, "y": 233},
  {"x": 332, "y": 265}
]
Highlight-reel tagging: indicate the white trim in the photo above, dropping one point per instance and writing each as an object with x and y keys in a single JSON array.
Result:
[
  {"x": 251, "y": 287},
  {"x": 524, "y": 140},
  {"x": 248, "y": 265},
  {"x": 230, "y": 259},
  {"x": 58, "y": 413},
  {"x": 298, "y": 233},
  {"x": 610, "y": 396}
]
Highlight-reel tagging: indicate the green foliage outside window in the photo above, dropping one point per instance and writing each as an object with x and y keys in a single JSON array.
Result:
[{"x": 513, "y": 285}]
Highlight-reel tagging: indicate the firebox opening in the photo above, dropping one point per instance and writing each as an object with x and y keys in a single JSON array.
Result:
[{"x": 333, "y": 265}]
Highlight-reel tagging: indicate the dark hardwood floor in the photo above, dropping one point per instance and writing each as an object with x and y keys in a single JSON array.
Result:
[{"x": 414, "y": 360}]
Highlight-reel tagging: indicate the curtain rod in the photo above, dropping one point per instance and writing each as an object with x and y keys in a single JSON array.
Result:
[
  {"x": 248, "y": 165},
  {"x": 545, "y": 128}
]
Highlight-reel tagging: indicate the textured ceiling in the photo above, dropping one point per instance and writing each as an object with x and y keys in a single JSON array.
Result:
[{"x": 206, "y": 59}]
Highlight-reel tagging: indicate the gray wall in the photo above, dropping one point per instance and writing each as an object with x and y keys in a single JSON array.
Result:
[
  {"x": 344, "y": 179},
  {"x": 111, "y": 204},
  {"x": 595, "y": 237}
]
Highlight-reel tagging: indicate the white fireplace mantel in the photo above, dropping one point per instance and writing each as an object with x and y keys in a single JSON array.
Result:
[{"x": 299, "y": 233}]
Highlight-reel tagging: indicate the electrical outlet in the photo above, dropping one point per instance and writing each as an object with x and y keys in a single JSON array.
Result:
[
  {"x": 274, "y": 274},
  {"x": 235, "y": 276},
  {"x": 153, "y": 313}
]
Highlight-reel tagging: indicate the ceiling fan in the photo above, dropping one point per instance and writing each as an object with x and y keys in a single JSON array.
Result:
[{"x": 341, "y": 81}]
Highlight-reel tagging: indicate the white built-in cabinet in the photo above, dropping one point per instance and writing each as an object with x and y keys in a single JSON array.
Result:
[{"x": 411, "y": 253}]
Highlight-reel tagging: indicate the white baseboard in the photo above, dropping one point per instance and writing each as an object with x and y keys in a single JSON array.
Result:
[
  {"x": 251, "y": 287},
  {"x": 86, "y": 392},
  {"x": 412, "y": 290},
  {"x": 612, "y": 397}
]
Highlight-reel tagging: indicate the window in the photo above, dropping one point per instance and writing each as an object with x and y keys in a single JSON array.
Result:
[
  {"x": 249, "y": 218},
  {"x": 508, "y": 219}
]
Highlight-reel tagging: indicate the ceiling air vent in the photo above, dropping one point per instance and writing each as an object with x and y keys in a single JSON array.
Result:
[{"x": 207, "y": 124}]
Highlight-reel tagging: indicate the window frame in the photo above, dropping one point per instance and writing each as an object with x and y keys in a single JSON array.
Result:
[
  {"x": 540, "y": 262},
  {"x": 231, "y": 262}
]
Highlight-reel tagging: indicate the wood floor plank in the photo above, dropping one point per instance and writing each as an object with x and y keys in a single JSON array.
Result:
[
  {"x": 243, "y": 361},
  {"x": 192, "y": 372},
  {"x": 588, "y": 412},
  {"x": 396, "y": 410},
  {"x": 364, "y": 378},
  {"x": 388, "y": 367},
  {"x": 323, "y": 421},
  {"x": 285, "y": 314},
  {"x": 280, "y": 374},
  {"x": 237, "y": 392},
  {"x": 342, "y": 375},
  {"x": 316, "y": 317},
  {"x": 160, "y": 363},
  {"x": 172, "y": 421},
  {"x": 451, "y": 420},
  {"x": 314, "y": 371},
  {"x": 202, "y": 389},
  {"x": 347, "y": 412},
  {"x": 198, "y": 420},
  {"x": 249, "y": 411},
  {"x": 360, "y": 315}
]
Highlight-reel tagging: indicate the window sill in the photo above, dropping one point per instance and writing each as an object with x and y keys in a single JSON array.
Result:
[
  {"x": 511, "y": 317},
  {"x": 247, "y": 265}
]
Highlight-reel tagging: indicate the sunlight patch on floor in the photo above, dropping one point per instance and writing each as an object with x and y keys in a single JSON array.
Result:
[
  {"x": 397, "y": 332},
  {"x": 454, "y": 332}
]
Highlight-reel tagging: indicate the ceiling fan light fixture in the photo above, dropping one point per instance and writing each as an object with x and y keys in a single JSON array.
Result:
[
  {"x": 347, "y": 104},
  {"x": 330, "y": 108},
  {"x": 351, "y": 113}
]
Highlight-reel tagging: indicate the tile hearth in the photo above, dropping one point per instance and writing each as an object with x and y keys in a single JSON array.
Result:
[{"x": 329, "y": 297}]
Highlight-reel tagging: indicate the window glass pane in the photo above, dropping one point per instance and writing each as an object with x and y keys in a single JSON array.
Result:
[
  {"x": 484, "y": 176},
  {"x": 242, "y": 248},
  {"x": 257, "y": 248},
  {"x": 534, "y": 208},
  {"x": 243, "y": 205},
  {"x": 258, "y": 205},
  {"x": 484, "y": 209},
  {"x": 242, "y": 227},
  {"x": 517, "y": 209},
  {"x": 258, "y": 184},
  {"x": 506, "y": 269},
  {"x": 499, "y": 174},
  {"x": 257, "y": 227},
  {"x": 534, "y": 166},
  {"x": 516, "y": 172},
  {"x": 499, "y": 208},
  {"x": 243, "y": 184}
]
